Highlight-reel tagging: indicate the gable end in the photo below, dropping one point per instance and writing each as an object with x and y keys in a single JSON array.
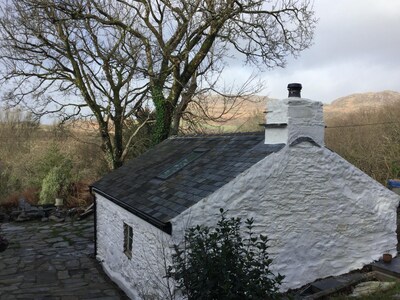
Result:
[{"x": 166, "y": 227}]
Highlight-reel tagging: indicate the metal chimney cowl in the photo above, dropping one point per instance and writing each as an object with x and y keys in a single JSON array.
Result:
[{"x": 294, "y": 90}]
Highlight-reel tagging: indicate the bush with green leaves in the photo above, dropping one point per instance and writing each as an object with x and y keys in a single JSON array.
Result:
[
  {"x": 222, "y": 263},
  {"x": 43, "y": 165},
  {"x": 56, "y": 182}
]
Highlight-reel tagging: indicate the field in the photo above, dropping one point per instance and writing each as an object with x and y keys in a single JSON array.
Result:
[{"x": 28, "y": 151}]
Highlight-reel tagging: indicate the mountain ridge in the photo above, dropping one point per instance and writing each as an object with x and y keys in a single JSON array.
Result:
[
  {"x": 362, "y": 101},
  {"x": 251, "y": 114}
]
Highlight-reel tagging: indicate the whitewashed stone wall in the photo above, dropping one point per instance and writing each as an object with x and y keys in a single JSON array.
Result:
[
  {"x": 304, "y": 118},
  {"x": 143, "y": 273},
  {"x": 277, "y": 113},
  {"x": 324, "y": 217}
]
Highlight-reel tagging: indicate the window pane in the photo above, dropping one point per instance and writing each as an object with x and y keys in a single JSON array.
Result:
[{"x": 128, "y": 237}]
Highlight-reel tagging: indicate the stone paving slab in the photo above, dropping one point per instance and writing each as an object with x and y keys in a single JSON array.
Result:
[
  {"x": 392, "y": 268},
  {"x": 53, "y": 261},
  {"x": 335, "y": 282}
]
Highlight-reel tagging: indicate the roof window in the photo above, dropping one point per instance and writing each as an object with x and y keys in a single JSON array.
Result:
[{"x": 183, "y": 162}]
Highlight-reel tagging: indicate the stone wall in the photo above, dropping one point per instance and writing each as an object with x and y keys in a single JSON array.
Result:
[
  {"x": 304, "y": 118},
  {"x": 277, "y": 113},
  {"x": 143, "y": 273},
  {"x": 324, "y": 217}
]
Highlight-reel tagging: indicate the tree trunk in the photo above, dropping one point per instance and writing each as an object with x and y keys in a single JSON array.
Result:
[
  {"x": 118, "y": 139},
  {"x": 107, "y": 147},
  {"x": 175, "y": 122},
  {"x": 164, "y": 114}
]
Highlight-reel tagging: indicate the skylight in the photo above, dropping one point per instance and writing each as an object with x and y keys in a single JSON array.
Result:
[{"x": 180, "y": 164}]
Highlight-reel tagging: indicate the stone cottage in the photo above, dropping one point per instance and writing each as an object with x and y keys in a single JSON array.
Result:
[{"x": 323, "y": 216}]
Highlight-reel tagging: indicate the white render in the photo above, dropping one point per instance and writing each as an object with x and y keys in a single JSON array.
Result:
[
  {"x": 323, "y": 216},
  {"x": 304, "y": 118},
  {"x": 277, "y": 113},
  {"x": 276, "y": 136},
  {"x": 143, "y": 273}
]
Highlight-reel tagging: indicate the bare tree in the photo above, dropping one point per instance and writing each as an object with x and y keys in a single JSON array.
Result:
[
  {"x": 183, "y": 41},
  {"x": 172, "y": 49},
  {"x": 72, "y": 68}
]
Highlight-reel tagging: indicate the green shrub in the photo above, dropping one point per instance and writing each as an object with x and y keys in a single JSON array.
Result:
[
  {"x": 45, "y": 164},
  {"x": 221, "y": 264},
  {"x": 56, "y": 183}
]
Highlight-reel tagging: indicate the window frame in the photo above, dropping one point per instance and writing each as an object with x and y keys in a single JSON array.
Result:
[{"x": 128, "y": 240}]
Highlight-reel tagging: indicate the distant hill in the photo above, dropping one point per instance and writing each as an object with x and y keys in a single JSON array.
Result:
[
  {"x": 248, "y": 115},
  {"x": 348, "y": 104},
  {"x": 362, "y": 101},
  {"x": 245, "y": 115}
]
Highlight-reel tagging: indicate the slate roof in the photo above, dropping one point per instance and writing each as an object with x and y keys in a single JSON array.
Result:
[{"x": 138, "y": 185}]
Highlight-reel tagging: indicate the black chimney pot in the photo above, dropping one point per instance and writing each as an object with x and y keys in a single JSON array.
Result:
[{"x": 294, "y": 90}]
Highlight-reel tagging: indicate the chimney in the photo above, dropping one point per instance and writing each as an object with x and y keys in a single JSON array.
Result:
[{"x": 293, "y": 118}]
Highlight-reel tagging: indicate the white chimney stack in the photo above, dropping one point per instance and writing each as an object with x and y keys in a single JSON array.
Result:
[{"x": 293, "y": 118}]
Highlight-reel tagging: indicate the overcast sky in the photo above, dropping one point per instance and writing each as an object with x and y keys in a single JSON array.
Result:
[{"x": 356, "y": 49}]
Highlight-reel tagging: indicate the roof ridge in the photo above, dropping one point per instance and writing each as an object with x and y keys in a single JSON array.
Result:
[{"x": 219, "y": 135}]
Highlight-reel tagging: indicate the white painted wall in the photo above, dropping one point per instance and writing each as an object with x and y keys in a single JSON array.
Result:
[
  {"x": 277, "y": 113},
  {"x": 324, "y": 217},
  {"x": 303, "y": 116},
  {"x": 276, "y": 135},
  {"x": 143, "y": 273}
]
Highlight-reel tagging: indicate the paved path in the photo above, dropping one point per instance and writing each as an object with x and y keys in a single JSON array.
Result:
[{"x": 52, "y": 261}]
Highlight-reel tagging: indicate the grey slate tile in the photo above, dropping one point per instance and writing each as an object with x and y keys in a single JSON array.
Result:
[{"x": 137, "y": 185}]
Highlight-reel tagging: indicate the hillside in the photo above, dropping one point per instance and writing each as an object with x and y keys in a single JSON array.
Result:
[
  {"x": 362, "y": 101},
  {"x": 354, "y": 103},
  {"x": 250, "y": 113},
  {"x": 247, "y": 115},
  {"x": 364, "y": 129},
  {"x": 231, "y": 115}
]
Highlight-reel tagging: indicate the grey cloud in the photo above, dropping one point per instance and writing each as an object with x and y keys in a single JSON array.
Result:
[{"x": 356, "y": 49}]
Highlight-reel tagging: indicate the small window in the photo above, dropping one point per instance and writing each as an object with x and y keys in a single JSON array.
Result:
[{"x": 128, "y": 234}]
